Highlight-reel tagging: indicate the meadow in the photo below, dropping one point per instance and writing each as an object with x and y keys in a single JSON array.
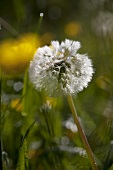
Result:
[{"x": 39, "y": 130}]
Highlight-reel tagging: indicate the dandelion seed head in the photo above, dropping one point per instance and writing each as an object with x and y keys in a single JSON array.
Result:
[{"x": 60, "y": 67}]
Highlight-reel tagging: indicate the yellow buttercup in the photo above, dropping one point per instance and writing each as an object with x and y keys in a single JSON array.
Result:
[{"x": 15, "y": 54}]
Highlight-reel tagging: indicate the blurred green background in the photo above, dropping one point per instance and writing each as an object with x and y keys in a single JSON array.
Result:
[{"x": 52, "y": 141}]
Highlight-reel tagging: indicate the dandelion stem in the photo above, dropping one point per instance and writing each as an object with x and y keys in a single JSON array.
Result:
[
  {"x": 82, "y": 134},
  {"x": 40, "y": 21}
]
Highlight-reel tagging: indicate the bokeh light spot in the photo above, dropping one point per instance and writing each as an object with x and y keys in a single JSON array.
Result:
[
  {"x": 18, "y": 86},
  {"x": 41, "y": 4},
  {"x": 65, "y": 140},
  {"x": 10, "y": 82},
  {"x": 54, "y": 12},
  {"x": 72, "y": 28}
]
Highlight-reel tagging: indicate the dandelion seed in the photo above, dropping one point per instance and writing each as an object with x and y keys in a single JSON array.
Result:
[{"x": 59, "y": 66}]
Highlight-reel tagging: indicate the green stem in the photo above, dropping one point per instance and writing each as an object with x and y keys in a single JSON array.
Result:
[
  {"x": 1, "y": 165},
  {"x": 40, "y": 21},
  {"x": 23, "y": 161},
  {"x": 82, "y": 134},
  {"x": 24, "y": 111}
]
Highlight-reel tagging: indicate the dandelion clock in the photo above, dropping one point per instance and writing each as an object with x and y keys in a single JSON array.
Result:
[{"x": 59, "y": 66}]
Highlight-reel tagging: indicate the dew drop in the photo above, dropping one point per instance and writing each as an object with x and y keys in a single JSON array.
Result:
[{"x": 41, "y": 14}]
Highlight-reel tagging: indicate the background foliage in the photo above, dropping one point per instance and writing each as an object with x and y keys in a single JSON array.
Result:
[{"x": 37, "y": 131}]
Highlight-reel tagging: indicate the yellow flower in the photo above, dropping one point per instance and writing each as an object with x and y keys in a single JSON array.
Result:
[
  {"x": 51, "y": 101},
  {"x": 15, "y": 54}
]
